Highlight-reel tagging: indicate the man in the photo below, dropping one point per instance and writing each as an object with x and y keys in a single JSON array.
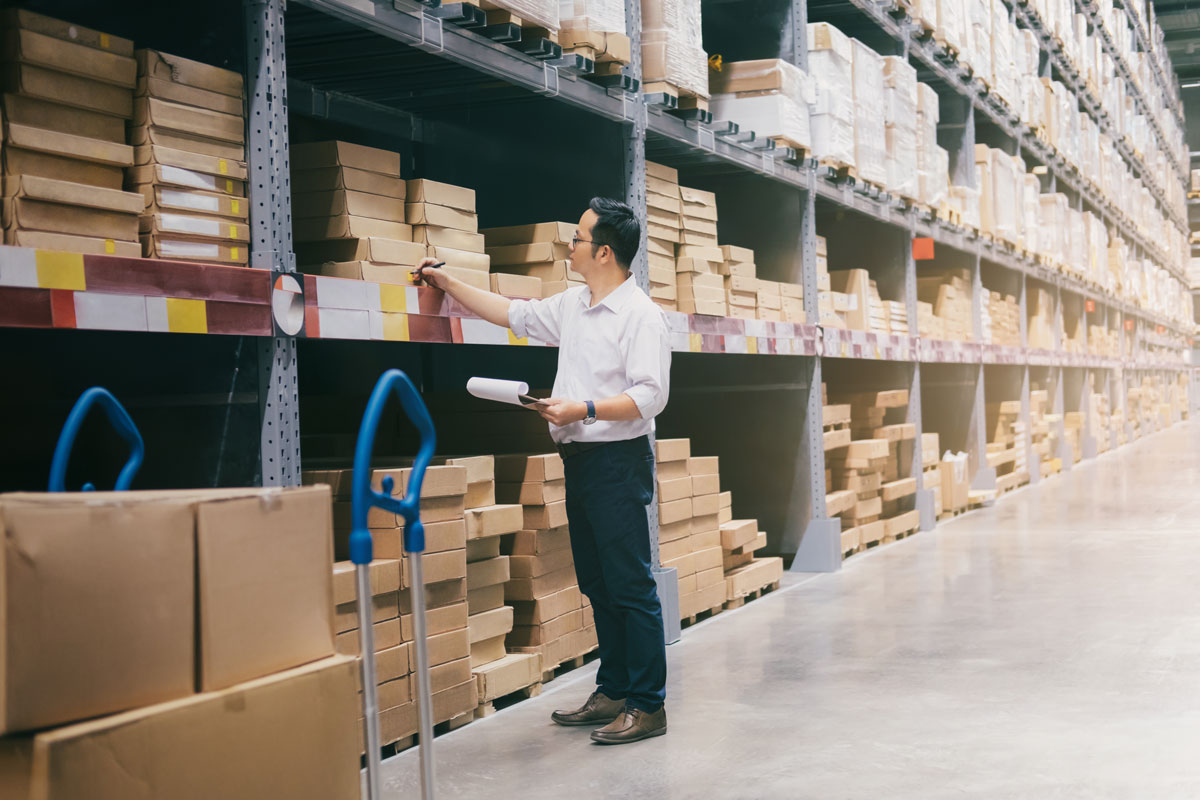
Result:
[{"x": 614, "y": 363}]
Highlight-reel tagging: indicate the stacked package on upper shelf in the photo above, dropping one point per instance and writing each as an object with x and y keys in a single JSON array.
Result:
[
  {"x": 673, "y": 57},
  {"x": 963, "y": 203},
  {"x": 1040, "y": 323},
  {"x": 551, "y": 618},
  {"x": 1005, "y": 78},
  {"x": 870, "y": 140},
  {"x": 1006, "y": 444},
  {"x": 900, "y": 126},
  {"x": 851, "y": 297},
  {"x": 68, "y": 92},
  {"x": 532, "y": 260},
  {"x": 769, "y": 96},
  {"x": 188, "y": 130},
  {"x": 999, "y": 181},
  {"x": 664, "y": 210},
  {"x": 933, "y": 162},
  {"x": 1074, "y": 327},
  {"x": 596, "y": 29},
  {"x": 741, "y": 283},
  {"x": 944, "y": 305},
  {"x": 830, "y": 59},
  {"x": 1098, "y": 407},
  {"x": 348, "y": 213},
  {"x": 1004, "y": 320},
  {"x": 443, "y": 219},
  {"x": 830, "y": 304}
]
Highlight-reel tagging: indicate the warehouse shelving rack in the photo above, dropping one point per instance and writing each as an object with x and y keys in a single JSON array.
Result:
[{"x": 306, "y": 63}]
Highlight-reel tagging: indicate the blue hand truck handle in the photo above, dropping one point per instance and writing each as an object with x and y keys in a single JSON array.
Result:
[
  {"x": 121, "y": 422},
  {"x": 363, "y": 496}
]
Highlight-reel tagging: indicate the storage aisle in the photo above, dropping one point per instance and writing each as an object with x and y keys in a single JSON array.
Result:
[{"x": 1045, "y": 647}]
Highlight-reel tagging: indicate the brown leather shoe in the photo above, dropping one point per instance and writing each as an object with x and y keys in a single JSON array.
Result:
[
  {"x": 632, "y": 726},
  {"x": 598, "y": 710}
]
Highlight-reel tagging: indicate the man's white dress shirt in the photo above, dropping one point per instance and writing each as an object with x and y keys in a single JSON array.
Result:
[{"x": 620, "y": 345}]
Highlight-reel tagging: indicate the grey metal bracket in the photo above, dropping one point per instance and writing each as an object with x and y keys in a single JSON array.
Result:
[
  {"x": 724, "y": 127},
  {"x": 666, "y": 581},
  {"x": 663, "y": 100},
  {"x": 820, "y": 548},
  {"x": 573, "y": 62}
]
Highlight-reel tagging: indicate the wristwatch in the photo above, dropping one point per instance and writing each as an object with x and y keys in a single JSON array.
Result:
[{"x": 591, "y": 412}]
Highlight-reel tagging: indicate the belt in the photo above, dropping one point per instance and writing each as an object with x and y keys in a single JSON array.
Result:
[{"x": 567, "y": 449}]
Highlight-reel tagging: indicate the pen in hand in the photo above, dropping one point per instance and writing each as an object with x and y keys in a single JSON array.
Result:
[{"x": 416, "y": 273}]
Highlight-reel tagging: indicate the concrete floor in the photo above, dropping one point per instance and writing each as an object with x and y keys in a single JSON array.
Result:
[{"x": 1048, "y": 647}]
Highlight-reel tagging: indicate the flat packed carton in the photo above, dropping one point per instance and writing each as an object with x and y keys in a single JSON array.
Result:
[
  {"x": 166, "y": 115},
  {"x": 30, "y": 47},
  {"x": 166, "y": 89},
  {"x": 344, "y": 154},
  {"x": 161, "y": 66},
  {"x": 165, "y": 198},
  {"x": 143, "y": 135},
  {"x": 342, "y": 201},
  {"x": 66, "y": 31},
  {"x": 33, "y": 113},
  {"x": 441, "y": 216},
  {"x": 291, "y": 735},
  {"x": 421, "y": 190},
  {"x": 74, "y": 244},
  {"x": 69, "y": 90},
  {"x": 64, "y": 145},
  {"x": 328, "y": 179}
]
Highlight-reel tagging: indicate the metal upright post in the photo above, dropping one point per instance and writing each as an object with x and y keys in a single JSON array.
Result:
[
  {"x": 271, "y": 233},
  {"x": 1035, "y": 469},
  {"x": 924, "y": 499},
  {"x": 667, "y": 580},
  {"x": 811, "y": 534}
]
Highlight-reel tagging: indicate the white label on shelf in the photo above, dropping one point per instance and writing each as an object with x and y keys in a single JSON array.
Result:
[
  {"x": 196, "y": 202},
  {"x": 111, "y": 312},
  {"x": 176, "y": 249},
  {"x": 186, "y": 177}
]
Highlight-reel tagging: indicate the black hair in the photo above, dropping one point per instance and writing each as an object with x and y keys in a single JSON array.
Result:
[{"x": 616, "y": 226}]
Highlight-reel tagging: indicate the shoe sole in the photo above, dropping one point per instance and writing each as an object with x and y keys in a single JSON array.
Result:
[
  {"x": 599, "y": 721},
  {"x": 649, "y": 735}
]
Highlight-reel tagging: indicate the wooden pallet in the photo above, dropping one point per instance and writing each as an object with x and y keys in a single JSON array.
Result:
[
  {"x": 462, "y": 720},
  {"x": 685, "y": 100},
  {"x": 700, "y": 616},
  {"x": 838, "y": 171},
  {"x": 568, "y": 665},
  {"x": 489, "y": 707},
  {"x": 738, "y": 602},
  {"x": 803, "y": 152}
]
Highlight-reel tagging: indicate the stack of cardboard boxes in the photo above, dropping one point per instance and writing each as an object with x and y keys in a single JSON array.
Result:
[
  {"x": 874, "y": 467},
  {"x": 664, "y": 208},
  {"x": 188, "y": 132},
  {"x": 1006, "y": 444},
  {"x": 933, "y": 162},
  {"x": 690, "y": 509},
  {"x": 1002, "y": 320},
  {"x": 946, "y": 297},
  {"x": 744, "y": 573},
  {"x": 532, "y": 260},
  {"x": 900, "y": 126},
  {"x": 870, "y": 139},
  {"x": 489, "y": 620},
  {"x": 1073, "y": 422},
  {"x": 226, "y": 663},
  {"x": 551, "y": 617},
  {"x": 443, "y": 495},
  {"x": 769, "y": 96},
  {"x": 931, "y": 474},
  {"x": 1043, "y": 428},
  {"x": 830, "y": 63},
  {"x": 443, "y": 219},
  {"x": 1039, "y": 309},
  {"x": 348, "y": 213},
  {"x": 741, "y": 284},
  {"x": 69, "y": 91}
]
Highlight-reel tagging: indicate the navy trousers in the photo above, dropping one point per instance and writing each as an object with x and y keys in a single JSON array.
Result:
[{"x": 608, "y": 489}]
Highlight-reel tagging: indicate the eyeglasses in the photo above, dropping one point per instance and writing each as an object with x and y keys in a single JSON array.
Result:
[{"x": 576, "y": 240}]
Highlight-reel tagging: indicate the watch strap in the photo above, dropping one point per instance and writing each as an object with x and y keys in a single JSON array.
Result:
[{"x": 591, "y": 410}]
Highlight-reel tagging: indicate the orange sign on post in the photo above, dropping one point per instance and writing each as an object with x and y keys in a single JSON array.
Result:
[
  {"x": 922, "y": 248},
  {"x": 1091, "y": 306}
]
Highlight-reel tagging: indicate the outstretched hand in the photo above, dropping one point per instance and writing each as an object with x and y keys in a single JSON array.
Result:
[
  {"x": 426, "y": 274},
  {"x": 560, "y": 411}
]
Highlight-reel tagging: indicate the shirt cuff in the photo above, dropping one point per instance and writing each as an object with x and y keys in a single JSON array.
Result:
[
  {"x": 646, "y": 400},
  {"x": 516, "y": 317}
]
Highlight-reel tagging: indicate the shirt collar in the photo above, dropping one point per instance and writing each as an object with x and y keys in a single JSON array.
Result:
[{"x": 615, "y": 299}]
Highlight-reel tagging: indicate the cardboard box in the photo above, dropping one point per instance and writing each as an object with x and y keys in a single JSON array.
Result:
[
  {"x": 159, "y": 65},
  {"x": 383, "y": 574},
  {"x": 676, "y": 489},
  {"x": 328, "y": 179},
  {"x": 65, "y": 56},
  {"x": 443, "y": 619},
  {"x": 165, "y": 175},
  {"x": 189, "y": 227},
  {"x": 201, "y": 122},
  {"x": 149, "y": 86},
  {"x": 705, "y": 559},
  {"x": 463, "y": 259},
  {"x": 66, "y": 31},
  {"x": 546, "y": 608},
  {"x": 344, "y": 154},
  {"x": 64, "y": 145},
  {"x": 145, "y": 135},
  {"x": 560, "y": 232},
  {"x": 37, "y": 215},
  {"x": 737, "y": 533},
  {"x": 518, "y": 286},
  {"x": 533, "y": 566},
  {"x": 422, "y": 190},
  {"x": 441, "y": 216},
  {"x": 487, "y": 651},
  {"x": 525, "y": 254},
  {"x": 208, "y": 745},
  {"x": 73, "y": 244},
  {"x": 454, "y": 702},
  {"x": 506, "y": 675},
  {"x": 394, "y": 693},
  {"x": 533, "y": 635},
  {"x": 436, "y": 567},
  {"x": 532, "y": 493},
  {"x": 31, "y": 112},
  {"x": 366, "y": 271},
  {"x": 448, "y": 237},
  {"x": 533, "y": 543},
  {"x": 343, "y": 201},
  {"x": 705, "y": 505},
  {"x": 69, "y": 90},
  {"x": 490, "y": 624},
  {"x": 704, "y": 539},
  {"x": 90, "y": 567},
  {"x": 552, "y": 515},
  {"x": 494, "y": 520},
  {"x": 675, "y": 511},
  {"x": 485, "y": 598},
  {"x": 483, "y": 549},
  {"x": 666, "y": 450},
  {"x": 437, "y": 595},
  {"x": 706, "y": 484},
  {"x": 194, "y": 250},
  {"x": 222, "y": 168},
  {"x": 250, "y": 627},
  {"x": 449, "y": 646},
  {"x": 488, "y": 572},
  {"x": 533, "y": 588},
  {"x": 344, "y": 226},
  {"x": 158, "y": 199},
  {"x": 675, "y": 530},
  {"x": 374, "y": 249},
  {"x": 386, "y": 636},
  {"x": 529, "y": 468},
  {"x": 383, "y": 608}
]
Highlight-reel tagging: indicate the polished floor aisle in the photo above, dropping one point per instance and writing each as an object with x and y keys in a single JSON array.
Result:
[{"x": 1048, "y": 647}]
